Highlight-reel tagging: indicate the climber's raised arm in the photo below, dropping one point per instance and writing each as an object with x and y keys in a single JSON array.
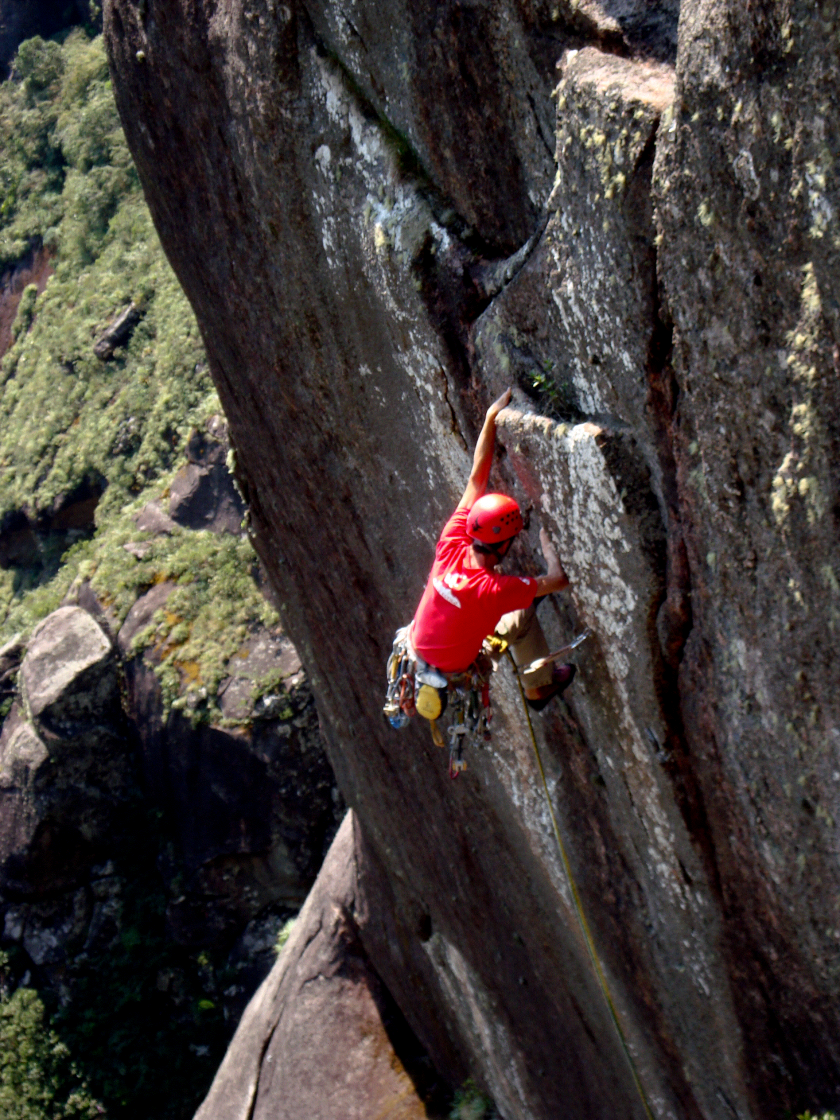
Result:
[
  {"x": 483, "y": 456},
  {"x": 555, "y": 579}
]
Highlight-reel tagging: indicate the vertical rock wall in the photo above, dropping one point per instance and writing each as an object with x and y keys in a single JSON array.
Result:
[
  {"x": 371, "y": 220},
  {"x": 747, "y": 200}
]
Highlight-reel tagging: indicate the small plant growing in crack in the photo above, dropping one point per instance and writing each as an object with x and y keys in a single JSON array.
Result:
[{"x": 555, "y": 399}]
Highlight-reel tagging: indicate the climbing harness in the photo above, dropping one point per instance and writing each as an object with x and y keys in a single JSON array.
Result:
[
  {"x": 578, "y": 905},
  {"x": 416, "y": 688}
]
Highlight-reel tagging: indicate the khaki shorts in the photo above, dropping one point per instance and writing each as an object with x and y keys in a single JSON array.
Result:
[{"x": 523, "y": 633}]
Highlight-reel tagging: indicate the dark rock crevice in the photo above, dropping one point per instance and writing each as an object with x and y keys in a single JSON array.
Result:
[
  {"x": 34, "y": 268},
  {"x": 670, "y": 620}
]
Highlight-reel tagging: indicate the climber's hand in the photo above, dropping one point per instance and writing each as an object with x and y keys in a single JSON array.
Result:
[
  {"x": 547, "y": 548},
  {"x": 556, "y": 578},
  {"x": 497, "y": 406}
]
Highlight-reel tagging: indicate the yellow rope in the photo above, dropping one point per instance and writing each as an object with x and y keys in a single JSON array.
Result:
[{"x": 581, "y": 917}]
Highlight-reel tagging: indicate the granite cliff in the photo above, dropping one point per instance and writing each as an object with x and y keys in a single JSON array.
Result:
[{"x": 382, "y": 219}]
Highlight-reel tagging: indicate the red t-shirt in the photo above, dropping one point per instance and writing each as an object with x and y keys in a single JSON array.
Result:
[{"x": 462, "y": 605}]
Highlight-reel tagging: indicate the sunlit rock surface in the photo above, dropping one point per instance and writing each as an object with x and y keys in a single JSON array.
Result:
[
  {"x": 322, "y": 1037},
  {"x": 376, "y": 237}
]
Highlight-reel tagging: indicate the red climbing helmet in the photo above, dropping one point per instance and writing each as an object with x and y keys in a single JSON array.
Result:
[{"x": 494, "y": 518}]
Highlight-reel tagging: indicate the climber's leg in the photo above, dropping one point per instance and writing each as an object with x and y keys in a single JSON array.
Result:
[{"x": 523, "y": 633}]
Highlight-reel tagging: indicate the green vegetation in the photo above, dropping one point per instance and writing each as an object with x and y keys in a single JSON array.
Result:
[
  {"x": 38, "y": 1081},
  {"x": 470, "y": 1104},
  {"x": 284, "y": 935},
  {"x": 69, "y": 420},
  {"x": 143, "y": 1023},
  {"x": 206, "y": 620},
  {"x": 555, "y": 399},
  {"x": 68, "y": 187}
]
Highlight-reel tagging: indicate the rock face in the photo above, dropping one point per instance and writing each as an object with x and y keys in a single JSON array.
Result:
[
  {"x": 67, "y": 763},
  {"x": 36, "y": 268},
  {"x": 382, "y": 223},
  {"x": 203, "y": 495},
  {"x": 322, "y": 1038},
  {"x": 252, "y": 805},
  {"x": 247, "y": 810}
]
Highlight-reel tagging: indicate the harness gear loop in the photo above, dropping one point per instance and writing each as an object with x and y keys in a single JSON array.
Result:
[
  {"x": 578, "y": 908},
  {"x": 417, "y": 688}
]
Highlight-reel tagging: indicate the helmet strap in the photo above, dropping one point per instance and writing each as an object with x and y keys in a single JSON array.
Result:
[{"x": 499, "y": 550}]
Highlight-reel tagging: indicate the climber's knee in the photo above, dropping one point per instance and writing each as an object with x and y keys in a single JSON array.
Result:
[{"x": 524, "y": 635}]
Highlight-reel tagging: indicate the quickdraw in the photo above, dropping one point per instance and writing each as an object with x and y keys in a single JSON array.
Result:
[{"x": 416, "y": 688}]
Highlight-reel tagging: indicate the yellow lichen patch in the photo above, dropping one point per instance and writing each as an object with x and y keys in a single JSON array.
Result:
[
  {"x": 800, "y": 477},
  {"x": 190, "y": 671},
  {"x": 783, "y": 488},
  {"x": 829, "y": 578}
]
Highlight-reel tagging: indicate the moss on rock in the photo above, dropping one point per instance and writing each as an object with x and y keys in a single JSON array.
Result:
[{"x": 70, "y": 420}]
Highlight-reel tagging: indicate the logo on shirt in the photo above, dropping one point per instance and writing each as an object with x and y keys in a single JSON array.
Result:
[
  {"x": 443, "y": 590},
  {"x": 455, "y": 580}
]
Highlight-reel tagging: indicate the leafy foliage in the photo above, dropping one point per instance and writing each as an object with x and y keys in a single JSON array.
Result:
[
  {"x": 69, "y": 419},
  {"x": 68, "y": 184},
  {"x": 58, "y": 122},
  {"x": 143, "y": 1017},
  {"x": 555, "y": 398},
  {"x": 470, "y": 1104},
  {"x": 38, "y": 1081},
  {"x": 284, "y": 935}
]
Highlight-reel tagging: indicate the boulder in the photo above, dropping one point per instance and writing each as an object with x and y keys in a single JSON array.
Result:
[
  {"x": 11, "y": 655},
  {"x": 68, "y": 676},
  {"x": 117, "y": 333},
  {"x": 203, "y": 494},
  {"x": 322, "y": 1037},
  {"x": 66, "y": 762},
  {"x": 251, "y": 806},
  {"x": 22, "y": 753},
  {"x": 152, "y": 519}
]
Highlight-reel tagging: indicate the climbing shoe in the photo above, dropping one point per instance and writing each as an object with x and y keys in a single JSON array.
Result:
[{"x": 562, "y": 677}]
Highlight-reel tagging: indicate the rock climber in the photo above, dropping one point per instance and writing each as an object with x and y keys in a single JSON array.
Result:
[{"x": 466, "y": 599}]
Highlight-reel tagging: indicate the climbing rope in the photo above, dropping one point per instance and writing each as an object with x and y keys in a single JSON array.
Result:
[{"x": 578, "y": 906}]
